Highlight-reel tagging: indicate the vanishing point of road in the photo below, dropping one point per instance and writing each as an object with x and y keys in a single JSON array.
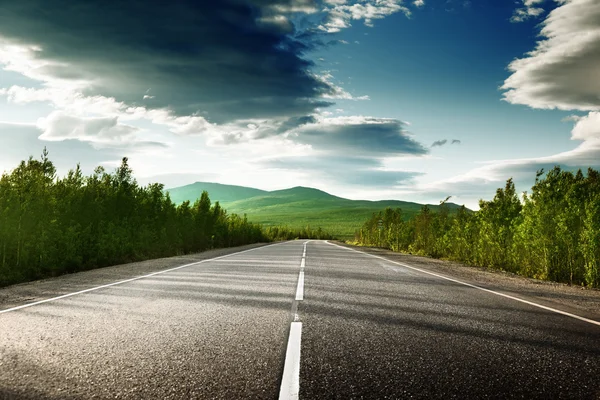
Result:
[{"x": 299, "y": 319}]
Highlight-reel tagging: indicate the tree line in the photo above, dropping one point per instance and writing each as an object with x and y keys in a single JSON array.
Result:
[
  {"x": 286, "y": 233},
  {"x": 51, "y": 225},
  {"x": 552, "y": 233}
]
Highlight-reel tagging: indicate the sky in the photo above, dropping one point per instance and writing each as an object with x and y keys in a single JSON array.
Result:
[{"x": 370, "y": 99}]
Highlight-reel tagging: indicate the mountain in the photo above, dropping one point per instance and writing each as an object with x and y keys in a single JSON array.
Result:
[
  {"x": 296, "y": 207},
  {"x": 217, "y": 192}
]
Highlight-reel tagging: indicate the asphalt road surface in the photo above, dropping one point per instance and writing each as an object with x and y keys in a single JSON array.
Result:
[{"x": 298, "y": 319}]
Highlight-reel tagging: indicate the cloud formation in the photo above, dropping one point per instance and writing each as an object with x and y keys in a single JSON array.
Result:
[
  {"x": 344, "y": 170},
  {"x": 19, "y": 142},
  {"x": 101, "y": 132},
  {"x": 354, "y": 135},
  {"x": 359, "y": 136},
  {"x": 440, "y": 143},
  {"x": 226, "y": 59},
  {"x": 295, "y": 122},
  {"x": 342, "y": 12},
  {"x": 337, "y": 92},
  {"x": 529, "y": 9},
  {"x": 562, "y": 71},
  {"x": 587, "y": 128}
]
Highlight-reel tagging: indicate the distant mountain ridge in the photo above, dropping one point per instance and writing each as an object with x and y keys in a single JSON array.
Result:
[
  {"x": 296, "y": 207},
  {"x": 224, "y": 193},
  {"x": 217, "y": 192}
]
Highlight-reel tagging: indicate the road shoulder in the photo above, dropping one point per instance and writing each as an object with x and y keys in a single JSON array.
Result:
[
  {"x": 29, "y": 292},
  {"x": 573, "y": 299}
]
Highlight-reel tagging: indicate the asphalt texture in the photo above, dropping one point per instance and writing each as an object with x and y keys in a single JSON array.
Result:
[{"x": 371, "y": 329}]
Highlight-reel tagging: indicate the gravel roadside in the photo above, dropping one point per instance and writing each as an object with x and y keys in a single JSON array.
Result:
[
  {"x": 29, "y": 292},
  {"x": 574, "y": 299}
]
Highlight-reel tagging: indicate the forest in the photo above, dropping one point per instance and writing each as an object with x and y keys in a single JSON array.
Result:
[
  {"x": 51, "y": 225},
  {"x": 552, "y": 233}
]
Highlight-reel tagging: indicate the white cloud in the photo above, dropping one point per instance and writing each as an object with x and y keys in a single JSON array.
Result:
[
  {"x": 419, "y": 3},
  {"x": 187, "y": 125},
  {"x": 100, "y": 132},
  {"x": 68, "y": 99},
  {"x": 529, "y": 10},
  {"x": 336, "y": 21},
  {"x": 77, "y": 104},
  {"x": 562, "y": 72},
  {"x": 279, "y": 22},
  {"x": 588, "y": 127},
  {"x": 295, "y": 6},
  {"x": 59, "y": 126},
  {"x": 341, "y": 14},
  {"x": 337, "y": 92},
  {"x": 23, "y": 95}
]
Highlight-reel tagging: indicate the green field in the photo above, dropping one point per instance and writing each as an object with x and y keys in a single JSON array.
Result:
[{"x": 297, "y": 207}]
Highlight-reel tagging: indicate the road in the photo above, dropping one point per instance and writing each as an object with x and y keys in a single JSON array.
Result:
[{"x": 305, "y": 319}]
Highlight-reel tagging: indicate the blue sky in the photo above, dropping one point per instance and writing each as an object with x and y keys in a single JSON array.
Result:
[{"x": 373, "y": 99}]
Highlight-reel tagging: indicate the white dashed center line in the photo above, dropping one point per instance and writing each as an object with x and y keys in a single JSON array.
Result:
[
  {"x": 290, "y": 382},
  {"x": 300, "y": 288}
]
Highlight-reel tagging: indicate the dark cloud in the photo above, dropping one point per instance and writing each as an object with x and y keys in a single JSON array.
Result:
[
  {"x": 366, "y": 136},
  {"x": 358, "y": 171},
  {"x": 226, "y": 59},
  {"x": 440, "y": 143},
  {"x": 295, "y": 122}
]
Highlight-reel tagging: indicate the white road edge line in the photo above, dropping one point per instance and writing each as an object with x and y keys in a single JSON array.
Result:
[
  {"x": 131, "y": 279},
  {"x": 300, "y": 288},
  {"x": 290, "y": 381},
  {"x": 590, "y": 321}
]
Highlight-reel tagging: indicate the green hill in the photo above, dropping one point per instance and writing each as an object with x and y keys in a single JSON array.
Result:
[
  {"x": 296, "y": 207},
  {"x": 217, "y": 192}
]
